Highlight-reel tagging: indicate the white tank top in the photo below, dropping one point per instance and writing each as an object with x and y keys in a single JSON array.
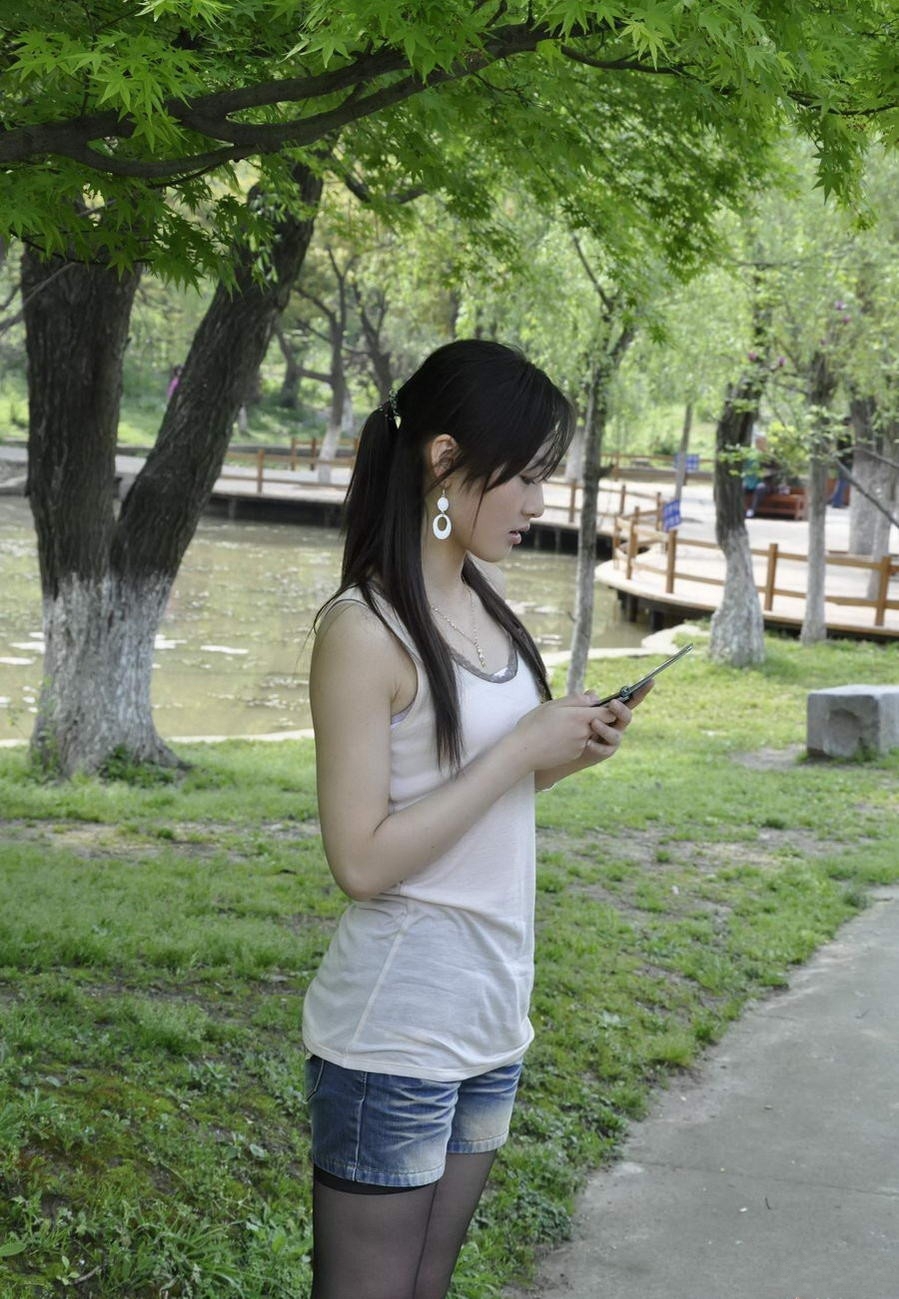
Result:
[{"x": 433, "y": 977}]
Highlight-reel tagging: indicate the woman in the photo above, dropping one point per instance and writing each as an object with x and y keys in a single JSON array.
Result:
[{"x": 434, "y": 727}]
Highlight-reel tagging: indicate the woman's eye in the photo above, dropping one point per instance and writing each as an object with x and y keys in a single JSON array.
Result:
[{"x": 528, "y": 482}]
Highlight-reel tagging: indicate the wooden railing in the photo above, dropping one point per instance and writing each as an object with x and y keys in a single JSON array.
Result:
[
  {"x": 660, "y": 465},
  {"x": 272, "y": 467},
  {"x": 616, "y": 501},
  {"x": 637, "y": 544},
  {"x": 638, "y": 541}
]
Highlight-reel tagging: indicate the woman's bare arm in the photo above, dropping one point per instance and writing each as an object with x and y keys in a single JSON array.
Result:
[
  {"x": 619, "y": 716},
  {"x": 357, "y": 666}
]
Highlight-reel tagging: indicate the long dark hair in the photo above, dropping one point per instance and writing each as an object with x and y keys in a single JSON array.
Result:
[{"x": 504, "y": 415}]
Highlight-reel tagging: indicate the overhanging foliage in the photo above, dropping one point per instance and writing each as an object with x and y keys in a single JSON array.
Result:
[{"x": 125, "y": 125}]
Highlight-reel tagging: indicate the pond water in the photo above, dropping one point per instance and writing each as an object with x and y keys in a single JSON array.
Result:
[{"x": 232, "y": 656}]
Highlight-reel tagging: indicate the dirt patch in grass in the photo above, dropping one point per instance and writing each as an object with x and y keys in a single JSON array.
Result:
[
  {"x": 639, "y": 847},
  {"x": 655, "y": 849},
  {"x": 765, "y": 853},
  {"x": 291, "y": 829},
  {"x": 192, "y": 838},
  {"x": 770, "y": 759},
  {"x": 84, "y": 839}
]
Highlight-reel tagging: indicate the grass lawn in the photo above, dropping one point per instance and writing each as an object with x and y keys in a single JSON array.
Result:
[
  {"x": 142, "y": 409},
  {"x": 156, "y": 938}
]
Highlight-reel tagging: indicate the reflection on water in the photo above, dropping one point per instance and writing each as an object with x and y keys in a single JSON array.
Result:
[{"x": 232, "y": 656}]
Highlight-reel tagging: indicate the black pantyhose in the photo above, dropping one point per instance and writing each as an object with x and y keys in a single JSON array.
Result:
[
  {"x": 401, "y": 1246},
  {"x": 455, "y": 1201}
]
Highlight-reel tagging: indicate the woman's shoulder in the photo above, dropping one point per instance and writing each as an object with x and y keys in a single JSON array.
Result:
[
  {"x": 352, "y": 642},
  {"x": 360, "y": 623},
  {"x": 354, "y": 614}
]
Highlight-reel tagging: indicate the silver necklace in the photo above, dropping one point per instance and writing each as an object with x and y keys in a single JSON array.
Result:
[{"x": 471, "y": 637}]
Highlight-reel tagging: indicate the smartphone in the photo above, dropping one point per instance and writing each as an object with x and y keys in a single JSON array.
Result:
[{"x": 626, "y": 691}]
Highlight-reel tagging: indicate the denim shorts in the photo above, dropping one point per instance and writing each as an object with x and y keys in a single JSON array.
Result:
[{"x": 387, "y": 1130}]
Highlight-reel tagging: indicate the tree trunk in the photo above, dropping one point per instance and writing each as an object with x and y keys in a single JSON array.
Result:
[
  {"x": 93, "y": 647},
  {"x": 289, "y": 396},
  {"x": 873, "y": 480},
  {"x": 814, "y": 622},
  {"x": 880, "y": 533},
  {"x": 681, "y": 475},
  {"x": 339, "y": 397},
  {"x": 585, "y": 579},
  {"x": 348, "y": 418},
  {"x": 372, "y": 326},
  {"x": 253, "y": 394},
  {"x": 331, "y": 440},
  {"x": 822, "y": 385},
  {"x": 738, "y": 628},
  {"x": 106, "y": 581},
  {"x": 574, "y": 461},
  {"x": 865, "y": 470}
]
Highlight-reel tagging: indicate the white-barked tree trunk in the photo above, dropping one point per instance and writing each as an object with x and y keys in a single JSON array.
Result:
[{"x": 106, "y": 576}]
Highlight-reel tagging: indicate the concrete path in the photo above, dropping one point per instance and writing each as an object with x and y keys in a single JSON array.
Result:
[{"x": 774, "y": 1174}]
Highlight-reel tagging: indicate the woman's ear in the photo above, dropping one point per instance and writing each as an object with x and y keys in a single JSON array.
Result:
[{"x": 441, "y": 453}]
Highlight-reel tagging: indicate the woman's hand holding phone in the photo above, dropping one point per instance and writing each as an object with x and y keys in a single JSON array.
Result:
[
  {"x": 636, "y": 691},
  {"x": 614, "y": 716}
]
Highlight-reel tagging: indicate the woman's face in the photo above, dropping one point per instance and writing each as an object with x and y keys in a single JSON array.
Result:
[{"x": 489, "y": 524}]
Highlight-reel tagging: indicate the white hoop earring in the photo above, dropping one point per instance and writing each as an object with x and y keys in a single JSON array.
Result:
[{"x": 443, "y": 524}]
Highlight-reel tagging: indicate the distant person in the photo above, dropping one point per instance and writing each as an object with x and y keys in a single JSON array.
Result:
[
  {"x": 759, "y": 475},
  {"x": 174, "y": 380},
  {"x": 433, "y": 728},
  {"x": 844, "y": 449}
]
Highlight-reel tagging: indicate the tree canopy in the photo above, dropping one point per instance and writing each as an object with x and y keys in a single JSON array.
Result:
[
  {"x": 126, "y": 128},
  {"x": 196, "y": 135}
]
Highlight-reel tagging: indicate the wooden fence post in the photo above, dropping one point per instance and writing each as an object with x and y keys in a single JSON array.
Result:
[
  {"x": 771, "y": 576},
  {"x": 670, "y": 568},
  {"x": 293, "y": 454},
  {"x": 632, "y": 543},
  {"x": 622, "y": 499},
  {"x": 260, "y": 469},
  {"x": 572, "y": 500},
  {"x": 659, "y": 511},
  {"x": 883, "y": 590}
]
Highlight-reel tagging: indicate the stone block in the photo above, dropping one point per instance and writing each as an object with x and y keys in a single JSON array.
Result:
[{"x": 851, "y": 721}]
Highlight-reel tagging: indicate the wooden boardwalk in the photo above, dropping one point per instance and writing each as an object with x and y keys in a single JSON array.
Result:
[
  {"x": 676, "y": 574},
  {"x": 668, "y": 581}
]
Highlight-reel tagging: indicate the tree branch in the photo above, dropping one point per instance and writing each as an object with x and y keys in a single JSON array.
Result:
[
  {"x": 20, "y": 314},
  {"x": 209, "y": 115},
  {"x": 622, "y": 343},
  {"x": 363, "y": 192},
  {"x": 313, "y": 332},
  {"x": 625, "y": 65},
  {"x": 317, "y": 302},
  {"x": 604, "y": 298},
  {"x": 891, "y": 464},
  {"x": 856, "y": 486}
]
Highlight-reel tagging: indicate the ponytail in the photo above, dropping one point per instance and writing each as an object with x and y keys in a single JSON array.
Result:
[
  {"x": 504, "y": 414},
  {"x": 370, "y": 484}
]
